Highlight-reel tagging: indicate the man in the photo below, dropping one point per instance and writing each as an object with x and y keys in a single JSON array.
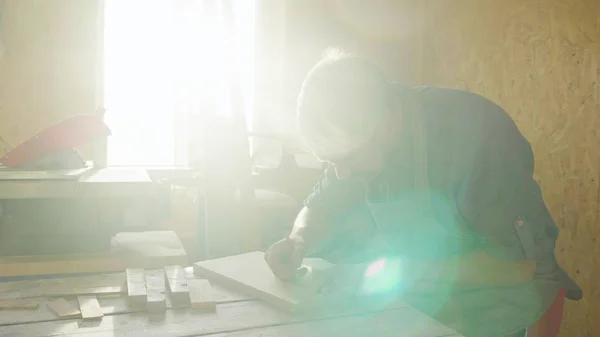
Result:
[{"x": 443, "y": 182}]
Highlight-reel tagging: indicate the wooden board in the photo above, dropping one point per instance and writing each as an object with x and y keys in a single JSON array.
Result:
[
  {"x": 155, "y": 291},
  {"x": 44, "y": 287},
  {"x": 92, "y": 183},
  {"x": 153, "y": 249},
  {"x": 19, "y": 304},
  {"x": 240, "y": 318},
  {"x": 201, "y": 295},
  {"x": 117, "y": 175},
  {"x": 85, "y": 291},
  {"x": 89, "y": 307},
  {"x": 7, "y": 174},
  {"x": 63, "y": 309},
  {"x": 177, "y": 285},
  {"x": 251, "y": 274},
  {"x": 354, "y": 326},
  {"x": 136, "y": 287}
]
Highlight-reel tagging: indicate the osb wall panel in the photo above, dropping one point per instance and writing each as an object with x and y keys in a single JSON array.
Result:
[
  {"x": 48, "y": 70},
  {"x": 540, "y": 60}
]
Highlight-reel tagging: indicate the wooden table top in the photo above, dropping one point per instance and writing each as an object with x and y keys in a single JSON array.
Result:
[
  {"x": 86, "y": 183},
  {"x": 237, "y": 315}
]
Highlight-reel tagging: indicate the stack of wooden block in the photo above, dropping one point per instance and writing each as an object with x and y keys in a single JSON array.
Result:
[{"x": 150, "y": 290}]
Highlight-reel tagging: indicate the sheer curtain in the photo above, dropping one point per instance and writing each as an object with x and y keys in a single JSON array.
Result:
[{"x": 164, "y": 62}]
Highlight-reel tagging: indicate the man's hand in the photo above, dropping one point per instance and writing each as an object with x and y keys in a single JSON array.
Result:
[{"x": 285, "y": 257}]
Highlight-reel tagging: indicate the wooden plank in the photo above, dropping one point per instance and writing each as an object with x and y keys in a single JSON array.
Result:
[
  {"x": 155, "y": 291},
  {"x": 19, "y": 304},
  {"x": 201, "y": 295},
  {"x": 177, "y": 285},
  {"x": 116, "y": 175},
  {"x": 85, "y": 291},
  {"x": 56, "y": 285},
  {"x": 251, "y": 274},
  {"x": 344, "y": 326},
  {"x": 132, "y": 250},
  {"x": 89, "y": 307},
  {"x": 388, "y": 320},
  {"x": 106, "y": 183},
  {"x": 232, "y": 317},
  {"x": 66, "y": 264},
  {"x": 41, "y": 175},
  {"x": 136, "y": 287},
  {"x": 63, "y": 309}
]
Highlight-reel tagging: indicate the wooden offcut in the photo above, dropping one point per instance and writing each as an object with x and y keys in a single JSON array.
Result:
[
  {"x": 155, "y": 291},
  {"x": 200, "y": 295},
  {"x": 250, "y": 273},
  {"x": 63, "y": 309},
  {"x": 89, "y": 307},
  {"x": 177, "y": 285},
  {"x": 136, "y": 287}
]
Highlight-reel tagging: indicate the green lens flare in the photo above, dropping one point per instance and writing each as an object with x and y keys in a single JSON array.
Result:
[
  {"x": 382, "y": 276},
  {"x": 375, "y": 267}
]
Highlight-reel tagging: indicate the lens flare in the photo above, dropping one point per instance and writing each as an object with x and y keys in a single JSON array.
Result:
[
  {"x": 382, "y": 276},
  {"x": 375, "y": 267}
]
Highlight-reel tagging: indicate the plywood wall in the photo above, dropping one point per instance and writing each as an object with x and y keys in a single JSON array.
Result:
[
  {"x": 540, "y": 60},
  {"x": 48, "y": 70}
]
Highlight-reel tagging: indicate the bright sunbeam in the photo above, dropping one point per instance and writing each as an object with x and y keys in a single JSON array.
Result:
[{"x": 163, "y": 59}]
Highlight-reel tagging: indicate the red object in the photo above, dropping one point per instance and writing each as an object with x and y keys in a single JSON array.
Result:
[
  {"x": 72, "y": 132},
  {"x": 549, "y": 324}
]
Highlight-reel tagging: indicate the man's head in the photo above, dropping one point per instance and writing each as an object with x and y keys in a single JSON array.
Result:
[{"x": 343, "y": 107}]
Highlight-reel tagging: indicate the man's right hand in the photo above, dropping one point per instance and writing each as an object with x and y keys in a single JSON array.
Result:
[{"x": 285, "y": 257}]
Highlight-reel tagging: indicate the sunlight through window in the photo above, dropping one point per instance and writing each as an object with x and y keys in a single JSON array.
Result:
[{"x": 162, "y": 60}]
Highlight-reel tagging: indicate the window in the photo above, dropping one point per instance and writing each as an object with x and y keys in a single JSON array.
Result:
[{"x": 162, "y": 60}]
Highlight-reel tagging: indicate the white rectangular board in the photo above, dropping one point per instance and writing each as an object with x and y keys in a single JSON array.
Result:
[{"x": 250, "y": 273}]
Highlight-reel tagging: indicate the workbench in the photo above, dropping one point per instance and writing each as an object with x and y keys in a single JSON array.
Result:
[
  {"x": 81, "y": 183},
  {"x": 236, "y": 315},
  {"x": 65, "y": 221}
]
